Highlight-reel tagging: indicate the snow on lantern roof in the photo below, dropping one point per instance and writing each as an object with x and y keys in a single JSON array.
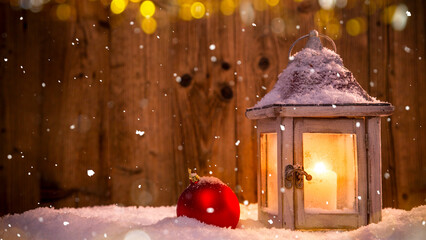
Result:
[{"x": 316, "y": 76}]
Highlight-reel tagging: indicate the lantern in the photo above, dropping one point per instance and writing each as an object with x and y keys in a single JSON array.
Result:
[{"x": 319, "y": 160}]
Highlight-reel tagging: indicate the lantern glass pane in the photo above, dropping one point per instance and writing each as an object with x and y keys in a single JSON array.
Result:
[
  {"x": 269, "y": 184},
  {"x": 331, "y": 159}
]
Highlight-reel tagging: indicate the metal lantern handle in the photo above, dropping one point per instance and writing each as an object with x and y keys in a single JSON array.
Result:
[{"x": 308, "y": 35}]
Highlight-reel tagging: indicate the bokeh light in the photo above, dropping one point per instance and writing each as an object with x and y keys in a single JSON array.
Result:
[
  {"x": 277, "y": 25},
  {"x": 198, "y": 10},
  {"x": 272, "y": 3},
  {"x": 135, "y": 1},
  {"x": 341, "y": 3},
  {"x": 356, "y": 26},
  {"x": 247, "y": 13},
  {"x": 63, "y": 11},
  {"x": 323, "y": 17},
  {"x": 147, "y": 9},
  {"x": 327, "y": 4},
  {"x": 260, "y": 5},
  {"x": 185, "y": 12},
  {"x": 227, "y": 7},
  {"x": 149, "y": 25},
  {"x": 400, "y": 17},
  {"x": 333, "y": 29},
  {"x": 118, "y": 6}
]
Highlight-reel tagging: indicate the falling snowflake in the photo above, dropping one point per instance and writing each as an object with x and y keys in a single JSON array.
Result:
[
  {"x": 140, "y": 133},
  {"x": 90, "y": 172},
  {"x": 212, "y": 47}
]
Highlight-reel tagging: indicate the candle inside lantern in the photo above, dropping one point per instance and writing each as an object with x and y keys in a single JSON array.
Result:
[{"x": 321, "y": 191}]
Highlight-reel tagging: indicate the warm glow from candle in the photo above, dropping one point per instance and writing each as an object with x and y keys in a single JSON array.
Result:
[
  {"x": 321, "y": 191},
  {"x": 320, "y": 167}
]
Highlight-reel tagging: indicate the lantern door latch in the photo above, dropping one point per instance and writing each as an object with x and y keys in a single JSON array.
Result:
[{"x": 294, "y": 175}]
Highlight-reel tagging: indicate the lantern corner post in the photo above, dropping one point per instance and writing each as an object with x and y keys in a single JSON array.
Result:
[
  {"x": 287, "y": 194},
  {"x": 374, "y": 169}
]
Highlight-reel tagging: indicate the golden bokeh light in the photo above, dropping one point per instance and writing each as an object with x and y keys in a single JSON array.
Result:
[
  {"x": 135, "y": 1},
  {"x": 272, "y": 3},
  {"x": 322, "y": 17},
  {"x": 227, "y": 7},
  {"x": 63, "y": 11},
  {"x": 260, "y": 5},
  {"x": 118, "y": 6},
  {"x": 149, "y": 25},
  {"x": 147, "y": 9},
  {"x": 198, "y": 10},
  {"x": 185, "y": 12},
  {"x": 356, "y": 26},
  {"x": 334, "y": 29}
]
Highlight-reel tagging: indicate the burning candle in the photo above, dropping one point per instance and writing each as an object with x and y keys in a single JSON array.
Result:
[{"x": 321, "y": 191}]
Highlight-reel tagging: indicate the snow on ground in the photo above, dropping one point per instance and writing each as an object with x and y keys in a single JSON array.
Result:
[{"x": 144, "y": 223}]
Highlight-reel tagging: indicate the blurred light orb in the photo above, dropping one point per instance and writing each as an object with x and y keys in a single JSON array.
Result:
[
  {"x": 147, "y": 9},
  {"x": 260, "y": 5},
  {"x": 118, "y": 6},
  {"x": 353, "y": 27},
  {"x": 198, "y": 10},
  {"x": 185, "y": 12},
  {"x": 327, "y": 4},
  {"x": 149, "y": 25},
  {"x": 63, "y": 12},
  {"x": 399, "y": 18},
  {"x": 341, "y": 3},
  {"x": 25, "y": 4},
  {"x": 135, "y": 1},
  {"x": 272, "y": 3},
  {"x": 277, "y": 25},
  {"x": 333, "y": 29},
  {"x": 227, "y": 7},
  {"x": 247, "y": 13},
  {"x": 137, "y": 235}
]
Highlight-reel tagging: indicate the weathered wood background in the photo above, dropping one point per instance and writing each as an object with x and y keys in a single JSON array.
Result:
[{"x": 86, "y": 85}]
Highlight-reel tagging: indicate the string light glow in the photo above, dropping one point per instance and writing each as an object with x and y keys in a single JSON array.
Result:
[
  {"x": 227, "y": 7},
  {"x": 272, "y": 3},
  {"x": 198, "y": 10},
  {"x": 149, "y": 25},
  {"x": 147, "y": 9},
  {"x": 118, "y": 6},
  {"x": 63, "y": 12},
  {"x": 185, "y": 12}
]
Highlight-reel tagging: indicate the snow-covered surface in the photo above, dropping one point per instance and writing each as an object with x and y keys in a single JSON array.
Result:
[
  {"x": 131, "y": 223},
  {"x": 316, "y": 75},
  {"x": 211, "y": 180}
]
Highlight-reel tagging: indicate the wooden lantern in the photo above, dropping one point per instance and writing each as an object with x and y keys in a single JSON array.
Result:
[{"x": 319, "y": 159}]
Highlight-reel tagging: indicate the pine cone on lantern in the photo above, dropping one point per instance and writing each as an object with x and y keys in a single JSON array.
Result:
[{"x": 209, "y": 200}]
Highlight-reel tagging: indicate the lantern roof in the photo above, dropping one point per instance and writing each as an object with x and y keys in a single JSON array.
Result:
[{"x": 316, "y": 79}]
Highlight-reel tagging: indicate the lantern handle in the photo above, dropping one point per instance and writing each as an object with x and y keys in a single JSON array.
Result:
[{"x": 312, "y": 34}]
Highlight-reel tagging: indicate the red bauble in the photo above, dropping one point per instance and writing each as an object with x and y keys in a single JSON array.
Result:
[{"x": 210, "y": 201}]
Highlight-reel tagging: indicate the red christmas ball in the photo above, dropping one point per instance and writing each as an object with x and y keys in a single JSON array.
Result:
[{"x": 210, "y": 201}]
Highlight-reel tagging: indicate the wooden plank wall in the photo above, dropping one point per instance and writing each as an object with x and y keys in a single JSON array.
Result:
[{"x": 86, "y": 85}]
